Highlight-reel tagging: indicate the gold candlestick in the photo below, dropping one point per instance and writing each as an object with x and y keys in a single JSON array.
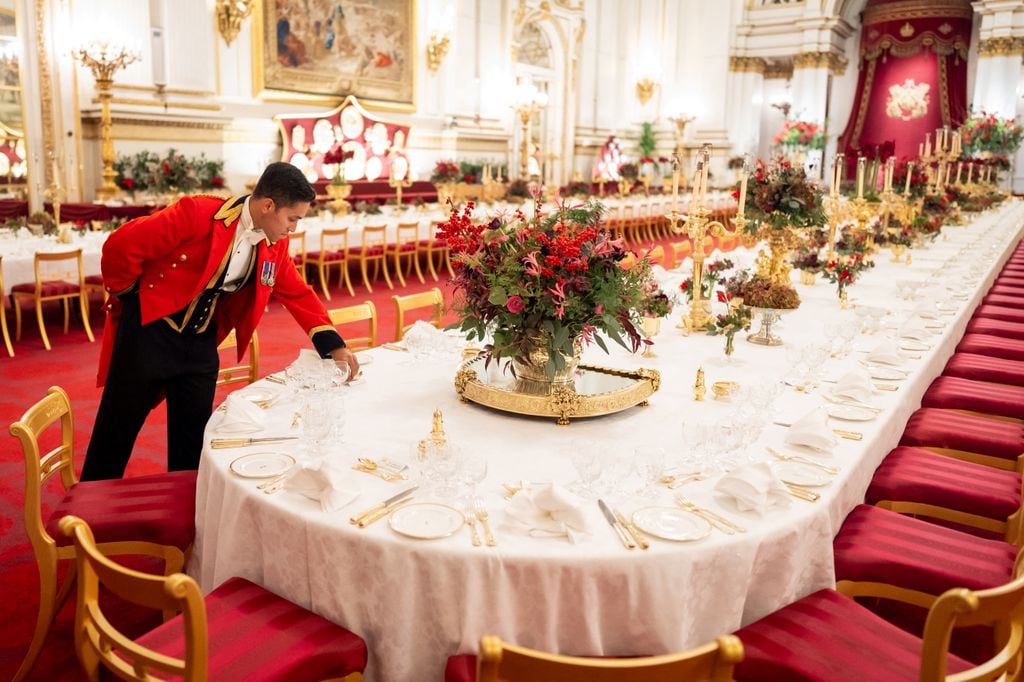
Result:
[
  {"x": 699, "y": 390},
  {"x": 398, "y": 184},
  {"x": 437, "y": 437},
  {"x": 104, "y": 60}
]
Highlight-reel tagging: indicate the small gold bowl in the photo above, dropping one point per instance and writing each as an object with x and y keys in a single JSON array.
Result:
[{"x": 722, "y": 389}]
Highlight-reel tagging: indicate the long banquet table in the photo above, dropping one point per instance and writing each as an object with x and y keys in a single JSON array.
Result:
[{"x": 416, "y": 602}]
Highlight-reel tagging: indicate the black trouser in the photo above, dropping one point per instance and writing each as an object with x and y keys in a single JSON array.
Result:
[{"x": 150, "y": 361}]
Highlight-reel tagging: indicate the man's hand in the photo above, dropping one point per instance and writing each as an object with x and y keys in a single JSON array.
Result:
[{"x": 347, "y": 359}]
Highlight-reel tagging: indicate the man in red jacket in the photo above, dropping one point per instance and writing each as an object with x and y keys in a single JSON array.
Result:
[{"x": 181, "y": 280}]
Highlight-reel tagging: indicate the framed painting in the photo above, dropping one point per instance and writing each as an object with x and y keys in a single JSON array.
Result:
[{"x": 319, "y": 51}]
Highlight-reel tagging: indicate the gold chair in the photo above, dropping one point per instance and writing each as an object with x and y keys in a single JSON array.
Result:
[
  {"x": 656, "y": 256},
  {"x": 372, "y": 250},
  {"x": 713, "y": 662},
  {"x": 357, "y": 313},
  {"x": 681, "y": 251},
  {"x": 426, "y": 299},
  {"x": 247, "y": 372},
  {"x": 3, "y": 313},
  {"x": 51, "y": 286},
  {"x": 297, "y": 250},
  {"x": 121, "y": 509},
  {"x": 240, "y": 631},
  {"x": 333, "y": 253},
  {"x": 406, "y": 246}
]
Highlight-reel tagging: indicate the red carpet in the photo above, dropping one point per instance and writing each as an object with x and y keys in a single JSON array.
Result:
[{"x": 72, "y": 365}]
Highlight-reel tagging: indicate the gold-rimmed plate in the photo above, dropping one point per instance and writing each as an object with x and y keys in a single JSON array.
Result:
[
  {"x": 798, "y": 473},
  {"x": 851, "y": 413},
  {"x": 262, "y": 464},
  {"x": 426, "y": 520},
  {"x": 671, "y": 523}
]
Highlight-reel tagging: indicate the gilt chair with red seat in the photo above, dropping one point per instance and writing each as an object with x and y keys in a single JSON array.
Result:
[
  {"x": 985, "y": 325},
  {"x": 499, "y": 661},
  {"x": 240, "y": 631},
  {"x": 993, "y": 346},
  {"x": 982, "y": 398},
  {"x": 985, "y": 368},
  {"x": 371, "y": 251},
  {"x": 826, "y": 636},
  {"x": 3, "y": 314},
  {"x": 406, "y": 245},
  {"x": 54, "y": 285},
  {"x": 968, "y": 437},
  {"x": 981, "y": 500},
  {"x": 333, "y": 253},
  {"x": 151, "y": 515}
]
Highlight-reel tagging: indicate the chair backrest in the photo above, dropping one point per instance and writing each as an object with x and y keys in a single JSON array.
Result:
[
  {"x": 99, "y": 643},
  {"x": 656, "y": 256},
  {"x": 247, "y": 372},
  {"x": 332, "y": 240},
  {"x": 713, "y": 662},
  {"x": 357, "y": 313},
  {"x": 297, "y": 244},
  {"x": 425, "y": 299},
  {"x": 407, "y": 233},
  {"x": 1001, "y": 607},
  {"x": 39, "y": 467},
  {"x": 628, "y": 261},
  {"x": 374, "y": 235},
  {"x": 48, "y": 267}
]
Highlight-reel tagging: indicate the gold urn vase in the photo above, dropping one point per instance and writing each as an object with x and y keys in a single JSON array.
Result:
[
  {"x": 531, "y": 369},
  {"x": 338, "y": 195}
]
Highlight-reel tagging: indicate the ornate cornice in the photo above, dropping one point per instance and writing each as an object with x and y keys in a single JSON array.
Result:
[
  {"x": 45, "y": 89},
  {"x": 917, "y": 9},
  {"x": 747, "y": 64},
  {"x": 1003, "y": 46},
  {"x": 779, "y": 71},
  {"x": 821, "y": 60}
]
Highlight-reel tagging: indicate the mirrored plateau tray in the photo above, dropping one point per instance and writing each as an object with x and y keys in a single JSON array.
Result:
[{"x": 594, "y": 392}]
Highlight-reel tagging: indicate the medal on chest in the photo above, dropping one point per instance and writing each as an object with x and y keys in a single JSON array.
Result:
[{"x": 268, "y": 273}]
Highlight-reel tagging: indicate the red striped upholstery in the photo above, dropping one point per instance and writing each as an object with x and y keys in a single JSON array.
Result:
[
  {"x": 1010, "y": 279},
  {"x": 984, "y": 325},
  {"x": 54, "y": 288},
  {"x": 986, "y": 368},
  {"x": 956, "y": 393},
  {"x": 329, "y": 256},
  {"x": 997, "y": 312},
  {"x": 1002, "y": 299},
  {"x": 461, "y": 668},
  {"x": 929, "y": 427},
  {"x": 256, "y": 635},
  {"x": 160, "y": 508},
  {"x": 914, "y": 475},
  {"x": 877, "y": 545},
  {"x": 1007, "y": 290},
  {"x": 994, "y": 346},
  {"x": 826, "y": 636}
]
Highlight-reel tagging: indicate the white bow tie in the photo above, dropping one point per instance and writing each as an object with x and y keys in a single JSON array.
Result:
[{"x": 254, "y": 237}]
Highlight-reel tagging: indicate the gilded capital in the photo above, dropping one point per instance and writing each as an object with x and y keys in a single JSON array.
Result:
[
  {"x": 835, "y": 63},
  {"x": 1002, "y": 46},
  {"x": 747, "y": 64}
]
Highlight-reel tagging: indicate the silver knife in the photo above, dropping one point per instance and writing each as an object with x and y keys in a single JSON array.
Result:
[
  {"x": 619, "y": 530},
  {"x": 384, "y": 505}
]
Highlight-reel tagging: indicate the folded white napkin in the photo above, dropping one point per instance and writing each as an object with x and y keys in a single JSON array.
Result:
[
  {"x": 928, "y": 308},
  {"x": 321, "y": 481},
  {"x": 754, "y": 488},
  {"x": 915, "y": 328},
  {"x": 812, "y": 430},
  {"x": 240, "y": 416},
  {"x": 886, "y": 353},
  {"x": 856, "y": 385},
  {"x": 548, "y": 510}
]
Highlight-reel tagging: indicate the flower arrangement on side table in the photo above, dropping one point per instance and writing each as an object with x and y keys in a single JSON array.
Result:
[
  {"x": 445, "y": 172},
  {"x": 542, "y": 288},
  {"x": 801, "y": 135}
]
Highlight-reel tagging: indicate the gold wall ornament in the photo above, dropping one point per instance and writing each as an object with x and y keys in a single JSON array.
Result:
[
  {"x": 437, "y": 48},
  {"x": 104, "y": 60},
  {"x": 747, "y": 64},
  {"x": 907, "y": 100},
  {"x": 835, "y": 63},
  {"x": 906, "y": 30},
  {"x": 1002, "y": 46},
  {"x": 230, "y": 15},
  {"x": 645, "y": 90}
]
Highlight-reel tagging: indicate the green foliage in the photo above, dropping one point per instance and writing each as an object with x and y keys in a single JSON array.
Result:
[{"x": 647, "y": 141}]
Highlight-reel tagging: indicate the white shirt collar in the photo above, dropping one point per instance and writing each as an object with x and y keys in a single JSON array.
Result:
[{"x": 246, "y": 227}]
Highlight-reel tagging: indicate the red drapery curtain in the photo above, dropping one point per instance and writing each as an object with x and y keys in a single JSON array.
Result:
[{"x": 913, "y": 74}]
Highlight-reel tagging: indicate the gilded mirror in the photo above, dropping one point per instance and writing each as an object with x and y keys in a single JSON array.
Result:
[{"x": 12, "y": 122}]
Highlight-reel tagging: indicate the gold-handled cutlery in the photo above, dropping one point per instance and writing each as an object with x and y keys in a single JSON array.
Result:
[
  {"x": 272, "y": 482},
  {"x": 673, "y": 481},
  {"x": 715, "y": 519},
  {"x": 632, "y": 530},
  {"x": 221, "y": 443},
  {"x": 395, "y": 346},
  {"x": 273, "y": 378},
  {"x": 369, "y": 466},
  {"x": 481, "y": 515},
  {"x": 842, "y": 433},
  {"x": 802, "y": 493},
  {"x": 379, "y": 511},
  {"x": 850, "y": 402},
  {"x": 802, "y": 460},
  {"x": 624, "y": 537},
  {"x": 470, "y": 517}
]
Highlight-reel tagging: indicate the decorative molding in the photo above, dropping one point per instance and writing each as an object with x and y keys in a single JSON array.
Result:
[
  {"x": 779, "y": 71},
  {"x": 45, "y": 89},
  {"x": 747, "y": 64},
  {"x": 917, "y": 9},
  {"x": 1003, "y": 46},
  {"x": 165, "y": 91},
  {"x": 835, "y": 63},
  {"x": 164, "y": 104}
]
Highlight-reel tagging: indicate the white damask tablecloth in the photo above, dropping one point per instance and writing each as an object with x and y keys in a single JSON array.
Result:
[
  {"x": 19, "y": 255},
  {"x": 417, "y": 602}
]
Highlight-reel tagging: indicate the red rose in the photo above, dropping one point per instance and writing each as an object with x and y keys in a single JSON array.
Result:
[
  {"x": 127, "y": 183},
  {"x": 167, "y": 168},
  {"x": 217, "y": 182},
  {"x": 515, "y": 304}
]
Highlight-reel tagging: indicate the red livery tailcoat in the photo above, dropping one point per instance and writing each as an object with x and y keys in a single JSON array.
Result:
[{"x": 176, "y": 253}]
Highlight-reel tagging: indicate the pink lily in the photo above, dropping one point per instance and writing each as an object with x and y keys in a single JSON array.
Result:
[
  {"x": 532, "y": 266},
  {"x": 558, "y": 292}
]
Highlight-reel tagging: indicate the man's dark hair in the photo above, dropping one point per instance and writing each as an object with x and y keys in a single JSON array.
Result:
[{"x": 285, "y": 184}]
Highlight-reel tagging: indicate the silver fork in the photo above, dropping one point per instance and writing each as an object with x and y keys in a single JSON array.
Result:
[{"x": 481, "y": 514}]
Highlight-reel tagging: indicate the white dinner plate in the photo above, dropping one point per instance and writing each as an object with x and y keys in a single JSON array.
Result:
[
  {"x": 801, "y": 474},
  {"x": 671, "y": 523},
  {"x": 851, "y": 413},
  {"x": 426, "y": 520},
  {"x": 262, "y": 464},
  {"x": 258, "y": 396},
  {"x": 913, "y": 345},
  {"x": 884, "y": 373}
]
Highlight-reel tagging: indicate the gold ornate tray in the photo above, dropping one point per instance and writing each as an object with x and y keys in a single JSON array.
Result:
[{"x": 595, "y": 391}]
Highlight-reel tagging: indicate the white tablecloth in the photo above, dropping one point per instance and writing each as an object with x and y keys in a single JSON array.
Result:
[
  {"x": 19, "y": 254},
  {"x": 416, "y": 602}
]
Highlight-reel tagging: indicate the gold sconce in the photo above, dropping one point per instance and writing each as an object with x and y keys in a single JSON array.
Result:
[
  {"x": 437, "y": 48},
  {"x": 230, "y": 15},
  {"x": 645, "y": 89},
  {"x": 648, "y": 75}
]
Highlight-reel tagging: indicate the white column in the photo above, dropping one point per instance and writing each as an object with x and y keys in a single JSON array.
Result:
[
  {"x": 995, "y": 84},
  {"x": 810, "y": 93},
  {"x": 745, "y": 97}
]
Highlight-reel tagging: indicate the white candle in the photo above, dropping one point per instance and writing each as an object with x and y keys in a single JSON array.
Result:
[
  {"x": 743, "y": 192},
  {"x": 927, "y": 144},
  {"x": 970, "y": 172},
  {"x": 696, "y": 187},
  {"x": 675, "y": 184},
  {"x": 861, "y": 161},
  {"x": 920, "y": 149},
  {"x": 959, "y": 167},
  {"x": 910, "y": 171}
]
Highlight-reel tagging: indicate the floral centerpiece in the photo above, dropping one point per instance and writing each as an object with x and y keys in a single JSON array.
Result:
[
  {"x": 737, "y": 318},
  {"x": 985, "y": 134},
  {"x": 801, "y": 135},
  {"x": 445, "y": 172},
  {"x": 843, "y": 271},
  {"x": 656, "y": 304},
  {"x": 519, "y": 189},
  {"x": 711, "y": 275},
  {"x": 542, "y": 288},
  {"x": 629, "y": 171},
  {"x": 146, "y": 171},
  {"x": 576, "y": 188},
  {"x": 337, "y": 157},
  {"x": 761, "y": 292}
]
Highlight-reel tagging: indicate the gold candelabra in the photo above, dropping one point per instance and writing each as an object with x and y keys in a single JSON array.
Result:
[
  {"x": 697, "y": 225},
  {"x": 230, "y": 15},
  {"x": 104, "y": 60},
  {"x": 398, "y": 184},
  {"x": 680, "y": 120},
  {"x": 528, "y": 101}
]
